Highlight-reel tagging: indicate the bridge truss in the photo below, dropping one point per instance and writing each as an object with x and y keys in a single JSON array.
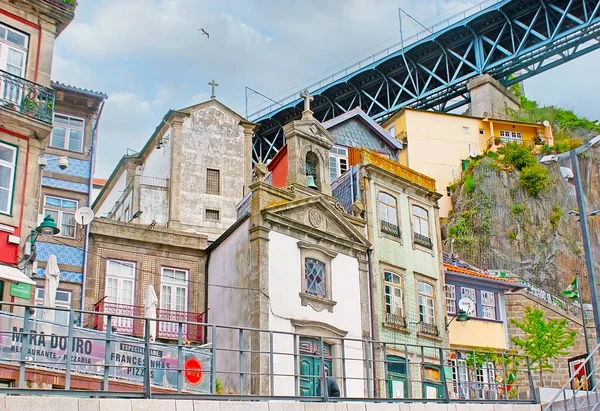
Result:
[{"x": 511, "y": 40}]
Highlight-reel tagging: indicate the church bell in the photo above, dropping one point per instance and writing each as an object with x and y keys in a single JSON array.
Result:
[{"x": 310, "y": 182}]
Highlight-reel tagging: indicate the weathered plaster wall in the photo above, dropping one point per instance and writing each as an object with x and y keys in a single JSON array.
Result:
[
  {"x": 229, "y": 299},
  {"x": 489, "y": 98},
  {"x": 212, "y": 138},
  {"x": 285, "y": 275},
  {"x": 112, "y": 197},
  {"x": 158, "y": 163},
  {"x": 154, "y": 203}
]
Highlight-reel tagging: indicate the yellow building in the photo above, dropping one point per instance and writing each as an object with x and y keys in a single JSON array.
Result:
[{"x": 436, "y": 144}]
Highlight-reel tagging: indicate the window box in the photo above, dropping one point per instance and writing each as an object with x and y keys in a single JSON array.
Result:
[
  {"x": 391, "y": 229},
  {"x": 423, "y": 241}
]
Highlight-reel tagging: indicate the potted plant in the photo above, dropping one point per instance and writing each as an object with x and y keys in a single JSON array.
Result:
[{"x": 497, "y": 141}]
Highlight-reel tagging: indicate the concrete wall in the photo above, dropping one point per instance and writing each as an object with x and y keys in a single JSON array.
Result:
[
  {"x": 95, "y": 404},
  {"x": 489, "y": 98},
  {"x": 154, "y": 203},
  {"x": 515, "y": 308},
  {"x": 212, "y": 138},
  {"x": 158, "y": 162},
  {"x": 113, "y": 196},
  {"x": 229, "y": 299}
]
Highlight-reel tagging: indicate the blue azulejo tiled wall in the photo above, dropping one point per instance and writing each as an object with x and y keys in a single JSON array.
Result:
[
  {"x": 64, "y": 254},
  {"x": 65, "y": 185},
  {"x": 68, "y": 276},
  {"x": 77, "y": 168}
]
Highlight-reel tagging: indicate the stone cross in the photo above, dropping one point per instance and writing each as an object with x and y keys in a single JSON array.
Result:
[
  {"x": 307, "y": 99},
  {"x": 213, "y": 84}
]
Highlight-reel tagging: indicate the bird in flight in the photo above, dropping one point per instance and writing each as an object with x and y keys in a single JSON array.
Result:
[{"x": 205, "y": 33}]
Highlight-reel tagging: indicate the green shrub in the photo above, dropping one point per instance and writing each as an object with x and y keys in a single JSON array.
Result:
[
  {"x": 556, "y": 215},
  {"x": 517, "y": 155},
  {"x": 534, "y": 179},
  {"x": 493, "y": 155},
  {"x": 469, "y": 184},
  {"x": 518, "y": 209}
]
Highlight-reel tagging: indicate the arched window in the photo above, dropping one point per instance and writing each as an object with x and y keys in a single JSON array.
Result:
[
  {"x": 388, "y": 214},
  {"x": 420, "y": 221}
]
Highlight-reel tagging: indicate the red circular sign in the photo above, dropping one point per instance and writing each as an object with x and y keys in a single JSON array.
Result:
[{"x": 192, "y": 370}]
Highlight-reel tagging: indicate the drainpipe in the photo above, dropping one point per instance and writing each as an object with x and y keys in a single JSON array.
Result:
[
  {"x": 90, "y": 191},
  {"x": 371, "y": 318}
]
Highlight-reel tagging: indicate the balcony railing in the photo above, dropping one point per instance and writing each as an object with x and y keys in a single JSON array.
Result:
[
  {"x": 430, "y": 329},
  {"x": 423, "y": 241},
  {"x": 67, "y": 5},
  {"x": 166, "y": 327},
  {"x": 395, "y": 320},
  {"x": 25, "y": 97},
  {"x": 391, "y": 229}
]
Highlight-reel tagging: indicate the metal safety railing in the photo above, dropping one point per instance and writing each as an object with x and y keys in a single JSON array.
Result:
[
  {"x": 580, "y": 392},
  {"x": 245, "y": 363}
]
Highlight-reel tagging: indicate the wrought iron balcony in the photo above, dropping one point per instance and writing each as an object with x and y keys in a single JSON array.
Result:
[
  {"x": 129, "y": 322},
  {"x": 391, "y": 229},
  {"x": 25, "y": 97},
  {"x": 423, "y": 241},
  {"x": 395, "y": 320},
  {"x": 430, "y": 329},
  {"x": 67, "y": 5}
]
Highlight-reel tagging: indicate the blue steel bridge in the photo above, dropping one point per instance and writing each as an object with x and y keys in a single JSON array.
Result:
[{"x": 511, "y": 40}]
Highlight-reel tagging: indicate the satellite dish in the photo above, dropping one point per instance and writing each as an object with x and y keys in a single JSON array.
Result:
[
  {"x": 473, "y": 154},
  {"x": 84, "y": 215},
  {"x": 546, "y": 123},
  {"x": 467, "y": 305}
]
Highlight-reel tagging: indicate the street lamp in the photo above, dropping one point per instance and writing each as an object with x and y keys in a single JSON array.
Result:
[
  {"x": 574, "y": 175},
  {"x": 461, "y": 317}
]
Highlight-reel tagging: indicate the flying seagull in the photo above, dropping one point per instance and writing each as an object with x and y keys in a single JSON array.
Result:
[{"x": 205, "y": 33}]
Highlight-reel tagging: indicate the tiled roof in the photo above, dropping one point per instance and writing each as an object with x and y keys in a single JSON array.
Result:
[
  {"x": 99, "y": 181},
  {"x": 460, "y": 270},
  {"x": 56, "y": 84}
]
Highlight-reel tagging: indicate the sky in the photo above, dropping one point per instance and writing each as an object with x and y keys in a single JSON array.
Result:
[{"x": 149, "y": 56}]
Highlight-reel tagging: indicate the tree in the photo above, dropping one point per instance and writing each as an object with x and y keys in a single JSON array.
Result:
[{"x": 543, "y": 340}]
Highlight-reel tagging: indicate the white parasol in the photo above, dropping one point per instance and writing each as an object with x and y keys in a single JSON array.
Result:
[
  {"x": 50, "y": 286},
  {"x": 150, "y": 305}
]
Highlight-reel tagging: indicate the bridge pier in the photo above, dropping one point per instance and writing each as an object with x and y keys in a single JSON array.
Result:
[{"x": 489, "y": 98}]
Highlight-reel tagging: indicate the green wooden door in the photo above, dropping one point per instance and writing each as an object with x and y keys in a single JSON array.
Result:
[
  {"x": 310, "y": 365},
  {"x": 397, "y": 384},
  {"x": 432, "y": 383}
]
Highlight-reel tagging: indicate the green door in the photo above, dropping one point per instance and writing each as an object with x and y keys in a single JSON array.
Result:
[
  {"x": 310, "y": 365},
  {"x": 397, "y": 384},
  {"x": 432, "y": 385}
]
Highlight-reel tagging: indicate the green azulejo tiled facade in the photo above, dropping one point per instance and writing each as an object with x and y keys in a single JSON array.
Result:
[{"x": 407, "y": 281}]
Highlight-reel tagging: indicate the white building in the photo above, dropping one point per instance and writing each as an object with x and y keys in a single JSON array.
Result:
[
  {"x": 189, "y": 176},
  {"x": 296, "y": 267}
]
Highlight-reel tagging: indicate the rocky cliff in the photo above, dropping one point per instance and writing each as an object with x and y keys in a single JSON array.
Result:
[{"x": 498, "y": 224}]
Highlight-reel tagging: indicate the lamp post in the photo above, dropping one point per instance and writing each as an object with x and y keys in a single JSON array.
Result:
[
  {"x": 461, "y": 317},
  {"x": 576, "y": 177}
]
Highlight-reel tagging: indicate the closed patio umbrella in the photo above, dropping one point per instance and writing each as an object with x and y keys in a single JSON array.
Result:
[
  {"x": 52, "y": 274},
  {"x": 150, "y": 305}
]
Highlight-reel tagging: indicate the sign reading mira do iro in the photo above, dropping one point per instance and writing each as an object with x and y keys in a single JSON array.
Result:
[{"x": 46, "y": 347}]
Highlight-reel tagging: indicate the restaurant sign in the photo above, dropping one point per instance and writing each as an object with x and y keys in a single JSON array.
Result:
[{"x": 46, "y": 346}]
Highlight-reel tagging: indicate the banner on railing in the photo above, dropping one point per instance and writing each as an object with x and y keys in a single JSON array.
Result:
[{"x": 46, "y": 347}]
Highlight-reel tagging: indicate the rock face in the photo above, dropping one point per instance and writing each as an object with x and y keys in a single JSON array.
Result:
[{"x": 497, "y": 225}]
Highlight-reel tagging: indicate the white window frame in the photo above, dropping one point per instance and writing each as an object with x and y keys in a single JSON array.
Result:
[
  {"x": 511, "y": 136},
  {"x": 60, "y": 211},
  {"x": 419, "y": 221},
  {"x": 60, "y": 317},
  {"x": 488, "y": 301},
  {"x": 387, "y": 209},
  {"x": 450, "y": 291},
  {"x": 423, "y": 299},
  {"x": 173, "y": 284},
  {"x": 5, "y": 44},
  {"x": 68, "y": 127},
  {"x": 122, "y": 323},
  {"x": 338, "y": 161},
  {"x": 11, "y": 185},
  {"x": 466, "y": 292},
  {"x": 395, "y": 301}
]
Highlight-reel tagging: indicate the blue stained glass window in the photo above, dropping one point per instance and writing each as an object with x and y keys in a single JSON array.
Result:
[{"x": 314, "y": 277}]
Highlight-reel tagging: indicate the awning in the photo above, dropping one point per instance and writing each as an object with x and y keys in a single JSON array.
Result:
[{"x": 8, "y": 273}]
